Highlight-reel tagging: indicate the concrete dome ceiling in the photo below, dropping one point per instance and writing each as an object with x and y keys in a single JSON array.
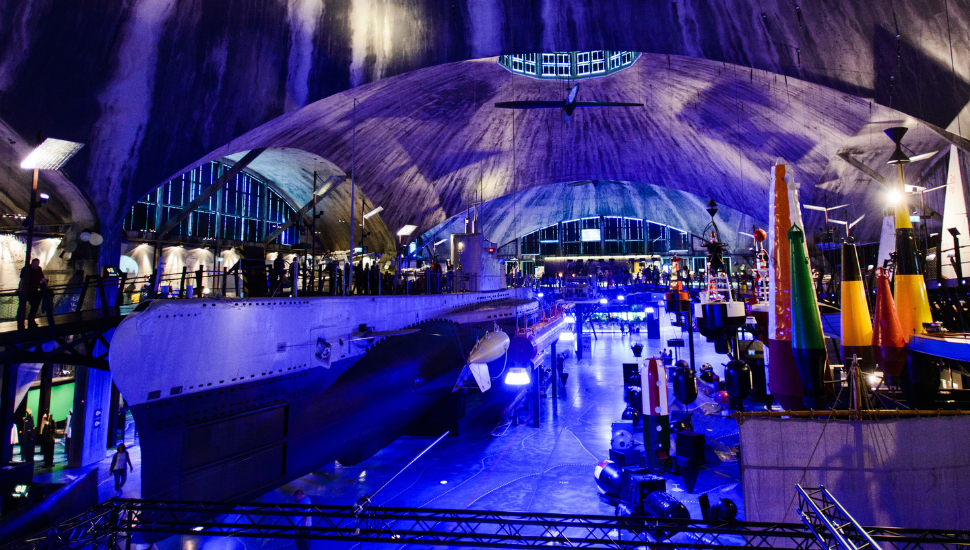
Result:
[{"x": 430, "y": 142}]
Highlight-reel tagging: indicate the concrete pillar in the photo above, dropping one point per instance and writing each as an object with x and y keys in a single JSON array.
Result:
[
  {"x": 536, "y": 393},
  {"x": 46, "y": 381},
  {"x": 113, "y": 416},
  {"x": 555, "y": 369},
  {"x": 8, "y": 397},
  {"x": 92, "y": 399},
  {"x": 579, "y": 331}
]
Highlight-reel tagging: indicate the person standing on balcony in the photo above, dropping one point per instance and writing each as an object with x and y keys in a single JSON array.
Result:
[{"x": 29, "y": 293}]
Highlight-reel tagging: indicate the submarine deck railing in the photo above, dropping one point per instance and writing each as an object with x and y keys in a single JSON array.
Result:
[{"x": 117, "y": 524}]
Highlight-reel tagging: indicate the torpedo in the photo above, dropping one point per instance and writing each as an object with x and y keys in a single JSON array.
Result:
[
  {"x": 856, "y": 328},
  {"x": 888, "y": 343},
  {"x": 808, "y": 344},
  {"x": 490, "y": 347}
]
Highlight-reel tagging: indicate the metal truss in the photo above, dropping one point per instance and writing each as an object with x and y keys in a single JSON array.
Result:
[
  {"x": 832, "y": 525},
  {"x": 114, "y": 525}
]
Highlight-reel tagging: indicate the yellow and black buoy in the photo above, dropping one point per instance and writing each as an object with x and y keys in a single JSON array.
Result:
[{"x": 856, "y": 324}]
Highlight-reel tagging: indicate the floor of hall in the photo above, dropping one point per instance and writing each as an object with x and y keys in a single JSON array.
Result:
[{"x": 527, "y": 469}]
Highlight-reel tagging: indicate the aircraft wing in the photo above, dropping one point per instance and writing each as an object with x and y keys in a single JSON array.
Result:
[
  {"x": 606, "y": 104},
  {"x": 529, "y": 105}
]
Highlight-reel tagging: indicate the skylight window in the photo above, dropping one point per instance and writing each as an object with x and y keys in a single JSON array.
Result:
[{"x": 571, "y": 65}]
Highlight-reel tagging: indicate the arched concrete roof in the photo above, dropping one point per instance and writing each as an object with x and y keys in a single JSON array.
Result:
[
  {"x": 431, "y": 142},
  {"x": 152, "y": 85}
]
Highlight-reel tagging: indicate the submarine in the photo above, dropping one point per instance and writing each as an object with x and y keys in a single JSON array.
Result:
[{"x": 235, "y": 397}]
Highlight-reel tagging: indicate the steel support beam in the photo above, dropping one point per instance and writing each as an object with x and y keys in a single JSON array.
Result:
[
  {"x": 959, "y": 141},
  {"x": 865, "y": 169},
  {"x": 209, "y": 191},
  {"x": 8, "y": 395},
  {"x": 329, "y": 185}
]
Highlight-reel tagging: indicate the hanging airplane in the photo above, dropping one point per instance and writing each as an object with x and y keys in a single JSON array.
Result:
[{"x": 568, "y": 105}]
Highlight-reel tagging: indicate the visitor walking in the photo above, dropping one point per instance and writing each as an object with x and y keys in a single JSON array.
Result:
[
  {"x": 302, "y": 522},
  {"x": 47, "y": 440},
  {"x": 120, "y": 464},
  {"x": 28, "y": 438},
  {"x": 29, "y": 293}
]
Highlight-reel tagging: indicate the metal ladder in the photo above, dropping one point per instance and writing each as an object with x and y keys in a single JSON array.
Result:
[{"x": 831, "y": 524}]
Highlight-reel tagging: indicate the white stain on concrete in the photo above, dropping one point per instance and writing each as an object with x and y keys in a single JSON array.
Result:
[
  {"x": 126, "y": 101},
  {"x": 303, "y": 17}
]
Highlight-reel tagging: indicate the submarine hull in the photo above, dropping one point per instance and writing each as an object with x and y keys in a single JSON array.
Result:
[
  {"x": 233, "y": 398},
  {"x": 242, "y": 441}
]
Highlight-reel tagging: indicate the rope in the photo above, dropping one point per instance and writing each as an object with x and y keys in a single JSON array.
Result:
[{"x": 817, "y": 443}]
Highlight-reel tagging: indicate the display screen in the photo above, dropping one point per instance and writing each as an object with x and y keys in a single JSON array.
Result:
[{"x": 590, "y": 235}]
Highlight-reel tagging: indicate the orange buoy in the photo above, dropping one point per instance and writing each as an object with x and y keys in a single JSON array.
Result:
[{"x": 888, "y": 341}]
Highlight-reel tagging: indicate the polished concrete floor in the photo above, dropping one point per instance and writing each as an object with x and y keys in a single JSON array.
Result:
[{"x": 549, "y": 469}]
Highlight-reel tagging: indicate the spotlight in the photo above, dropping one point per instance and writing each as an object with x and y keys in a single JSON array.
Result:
[
  {"x": 603, "y": 301},
  {"x": 894, "y": 197},
  {"x": 517, "y": 376},
  {"x": 541, "y": 294},
  {"x": 50, "y": 155},
  {"x": 621, "y": 298}
]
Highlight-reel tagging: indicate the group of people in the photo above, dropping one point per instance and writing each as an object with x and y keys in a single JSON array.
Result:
[
  {"x": 609, "y": 278},
  {"x": 27, "y": 434}
]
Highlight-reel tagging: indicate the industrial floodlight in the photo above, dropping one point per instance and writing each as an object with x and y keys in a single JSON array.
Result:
[
  {"x": 51, "y": 155},
  {"x": 517, "y": 376},
  {"x": 406, "y": 230},
  {"x": 373, "y": 212},
  {"x": 894, "y": 197}
]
